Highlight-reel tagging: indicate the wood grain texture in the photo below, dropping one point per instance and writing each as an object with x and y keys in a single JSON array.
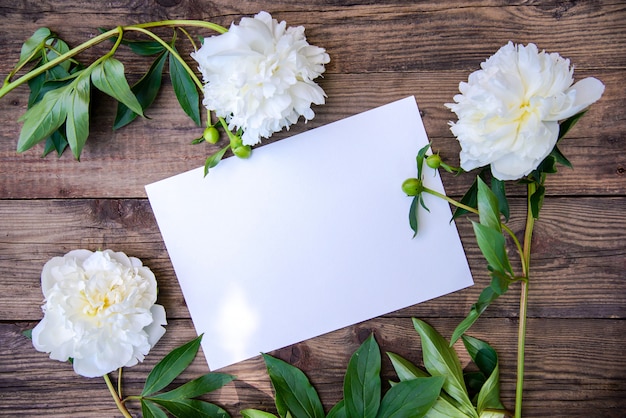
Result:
[{"x": 381, "y": 51}]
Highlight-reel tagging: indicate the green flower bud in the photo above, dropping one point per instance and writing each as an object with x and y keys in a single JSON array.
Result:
[
  {"x": 433, "y": 161},
  {"x": 412, "y": 187},
  {"x": 242, "y": 151},
  {"x": 211, "y": 135}
]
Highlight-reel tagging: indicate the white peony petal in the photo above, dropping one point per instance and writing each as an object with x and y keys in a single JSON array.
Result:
[
  {"x": 254, "y": 76},
  {"x": 99, "y": 310},
  {"x": 508, "y": 111}
]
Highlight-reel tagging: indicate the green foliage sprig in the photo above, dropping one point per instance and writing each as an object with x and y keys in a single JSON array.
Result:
[
  {"x": 443, "y": 390},
  {"x": 490, "y": 203},
  {"x": 58, "y": 110}
]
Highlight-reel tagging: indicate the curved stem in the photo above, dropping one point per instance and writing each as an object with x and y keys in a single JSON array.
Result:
[
  {"x": 450, "y": 200},
  {"x": 172, "y": 51},
  {"x": 116, "y": 398},
  {"x": 521, "y": 337},
  {"x": 8, "y": 86}
]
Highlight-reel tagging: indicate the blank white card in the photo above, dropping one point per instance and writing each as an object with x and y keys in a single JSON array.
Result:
[{"x": 309, "y": 235}]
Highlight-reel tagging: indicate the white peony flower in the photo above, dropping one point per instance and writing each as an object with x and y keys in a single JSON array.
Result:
[
  {"x": 509, "y": 110},
  {"x": 259, "y": 76},
  {"x": 99, "y": 310}
]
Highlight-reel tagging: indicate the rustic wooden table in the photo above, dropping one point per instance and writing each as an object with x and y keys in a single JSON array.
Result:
[{"x": 380, "y": 51}]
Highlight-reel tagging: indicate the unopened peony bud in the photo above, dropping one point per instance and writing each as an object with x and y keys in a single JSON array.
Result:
[
  {"x": 412, "y": 187},
  {"x": 242, "y": 151},
  {"x": 433, "y": 161},
  {"x": 211, "y": 135}
]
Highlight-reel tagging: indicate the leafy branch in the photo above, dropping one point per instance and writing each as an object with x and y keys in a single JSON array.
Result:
[{"x": 58, "y": 109}]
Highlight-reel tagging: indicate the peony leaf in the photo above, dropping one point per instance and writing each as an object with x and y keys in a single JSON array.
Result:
[
  {"x": 411, "y": 398},
  {"x": 192, "y": 408},
  {"x": 560, "y": 158},
  {"x": 421, "y": 155},
  {"x": 486, "y": 359},
  {"x": 214, "y": 159},
  {"x": 108, "y": 77},
  {"x": 255, "y": 413},
  {"x": 441, "y": 360},
  {"x": 568, "y": 123},
  {"x": 536, "y": 201},
  {"x": 145, "y": 90},
  {"x": 150, "y": 410},
  {"x": 197, "y": 387},
  {"x": 139, "y": 47},
  {"x": 338, "y": 411},
  {"x": 185, "y": 90},
  {"x": 444, "y": 408},
  {"x": 294, "y": 392},
  {"x": 499, "y": 189},
  {"x": 362, "y": 386},
  {"x": 470, "y": 198},
  {"x": 55, "y": 142},
  {"x": 404, "y": 368},
  {"x": 414, "y": 215},
  {"x": 488, "y": 208},
  {"x": 171, "y": 366},
  {"x": 33, "y": 45},
  {"x": 77, "y": 125},
  {"x": 41, "y": 120},
  {"x": 493, "y": 246}
]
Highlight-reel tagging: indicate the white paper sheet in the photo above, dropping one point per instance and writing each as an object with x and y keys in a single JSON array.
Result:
[{"x": 309, "y": 235}]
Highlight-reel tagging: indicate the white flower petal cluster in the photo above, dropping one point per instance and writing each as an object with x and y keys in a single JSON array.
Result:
[
  {"x": 259, "y": 76},
  {"x": 509, "y": 110},
  {"x": 99, "y": 310}
]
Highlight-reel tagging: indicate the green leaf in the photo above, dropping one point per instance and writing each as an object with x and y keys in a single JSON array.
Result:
[
  {"x": 404, "y": 368},
  {"x": 470, "y": 198},
  {"x": 411, "y": 398},
  {"x": 109, "y": 78},
  {"x": 33, "y": 45},
  {"x": 185, "y": 89},
  {"x": 441, "y": 360},
  {"x": 536, "y": 201},
  {"x": 77, "y": 125},
  {"x": 421, "y": 155},
  {"x": 255, "y": 413},
  {"x": 140, "y": 47},
  {"x": 568, "y": 123},
  {"x": 191, "y": 408},
  {"x": 294, "y": 392},
  {"x": 197, "y": 387},
  {"x": 214, "y": 159},
  {"x": 171, "y": 366},
  {"x": 41, "y": 120},
  {"x": 559, "y": 157},
  {"x": 488, "y": 207},
  {"x": 487, "y": 296},
  {"x": 145, "y": 90},
  {"x": 338, "y": 411},
  {"x": 150, "y": 410},
  {"x": 486, "y": 359},
  {"x": 499, "y": 190},
  {"x": 28, "y": 334},
  {"x": 362, "y": 386},
  {"x": 57, "y": 48},
  {"x": 414, "y": 215},
  {"x": 445, "y": 408},
  {"x": 493, "y": 246},
  {"x": 55, "y": 142}
]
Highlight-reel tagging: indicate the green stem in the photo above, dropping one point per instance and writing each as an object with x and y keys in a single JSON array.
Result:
[
  {"x": 7, "y": 87},
  {"x": 171, "y": 51},
  {"x": 116, "y": 398},
  {"x": 450, "y": 200},
  {"x": 521, "y": 337}
]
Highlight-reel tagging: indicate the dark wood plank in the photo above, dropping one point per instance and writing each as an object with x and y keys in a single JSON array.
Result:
[
  {"x": 578, "y": 270},
  {"x": 562, "y": 374},
  {"x": 121, "y": 163}
]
